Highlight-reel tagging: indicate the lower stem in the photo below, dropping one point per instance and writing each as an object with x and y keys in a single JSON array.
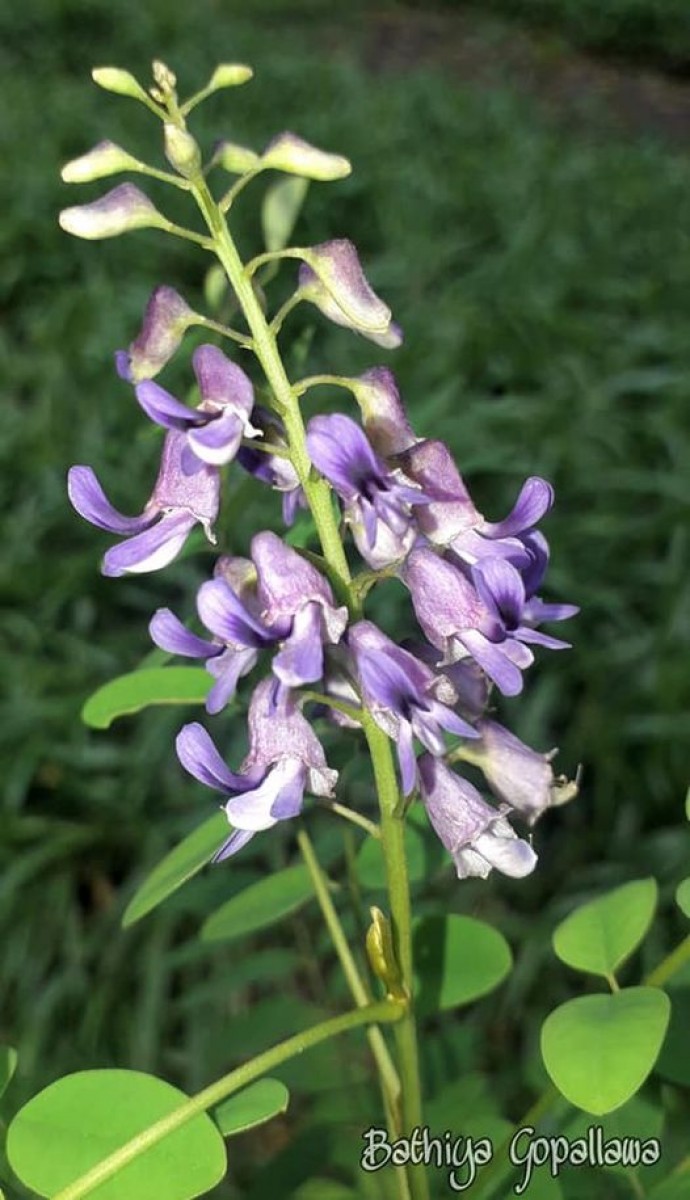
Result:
[
  {"x": 395, "y": 859},
  {"x": 384, "y": 1010}
]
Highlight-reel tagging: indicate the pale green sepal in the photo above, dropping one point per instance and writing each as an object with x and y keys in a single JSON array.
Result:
[
  {"x": 120, "y": 210},
  {"x": 113, "y": 79},
  {"x": 103, "y": 159},
  {"x": 290, "y": 153}
]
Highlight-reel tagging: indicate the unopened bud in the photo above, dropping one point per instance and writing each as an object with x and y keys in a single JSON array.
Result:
[
  {"x": 163, "y": 76},
  {"x": 182, "y": 151},
  {"x": 113, "y": 79},
  {"x": 120, "y": 210},
  {"x": 235, "y": 159},
  {"x": 166, "y": 319},
  {"x": 290, "y": 153},
  {"x": 104, "y": 159},
  {"x": 381, "y": 955},
  {"x": 229, "y": 75}
]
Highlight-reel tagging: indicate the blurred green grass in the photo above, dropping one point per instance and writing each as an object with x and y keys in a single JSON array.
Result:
[{"x": 541, "y": 276}]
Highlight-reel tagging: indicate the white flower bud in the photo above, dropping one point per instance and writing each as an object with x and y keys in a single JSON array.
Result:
[
  {"x": 235, "y": 159},
  {"x": 181, "y": 150},
  {"x": 112, "y": 79},
  {"x": 103, "y": 159},
  {"x": 120, "y": 210},
  {"x": 290, "y": 153},
  {"x": 229, "y": 75}
]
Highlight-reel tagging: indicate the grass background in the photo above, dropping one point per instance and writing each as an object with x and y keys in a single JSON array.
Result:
[{"x": 540, "y": 267}]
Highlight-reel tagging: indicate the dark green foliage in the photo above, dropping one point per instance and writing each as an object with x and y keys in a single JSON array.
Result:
[{"x": 542, "y": 279}]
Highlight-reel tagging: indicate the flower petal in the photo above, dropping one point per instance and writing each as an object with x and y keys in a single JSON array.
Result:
[
  {"x": 226, "y": 616},
  {"x": 235, "y": 842},
  {"x": 163, "y": 408},
  {"x": 199, "y": 756},
  {"x": 168, "y": 632},
  {"x": 218, "y": 441},
  {"x": 227, "y": 669},
  {"x": 277, "y": 797},
  {"x": 222, "y": 382},
  {"x": 300, "y": 660},
  {"x": 90, "y": 501},
  {"x": 151, "y": 550},
  {"x": 494, "y": 661},
  {"x": 535, "y": 499}
]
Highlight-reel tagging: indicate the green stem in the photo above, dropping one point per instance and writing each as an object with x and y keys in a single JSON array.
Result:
[
  {"x": 318, "y": 497},
  {"x": 316, "y": 489},
  {"x": 390, "y": 1083},
  {"x": 393, "y": 845},
  {"x": 383, "y": 1011},
  {"x": 669, "y": 965}
]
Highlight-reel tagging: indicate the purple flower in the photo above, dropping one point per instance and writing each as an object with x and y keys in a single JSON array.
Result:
[
  {"x": 180, "y": 500},
  {"x": 378, "y": 500},
  {"x": 458, "y": 622},
  {"x": 383, "y": 414},
  {"x": 279, "y": 599},
  {"x": 516, "y": 774},
  {"x": 502, "y": 589},
  {"x": 166, "y": 319},
  {"x": 451, "y": 518},
  {"x": 477, "y": 836},
  {"x": 233, "y": 652},
  {"x": 214, "y": 430},
  {"x": 274, "y": 469},
  {"x": 285, "y": 759},
  {"x": 400, "y": 690},
  {"x": 332, "y": 279}
]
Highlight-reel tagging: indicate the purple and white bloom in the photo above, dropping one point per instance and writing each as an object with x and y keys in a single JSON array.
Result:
[
  {"x": 166, "y": 319},
  {"x": 400, "y": 692},
  {"x": 457, "y": 620},
  {"x": 230, "y": 655},
  {"x": 502, "y": 589},
  {"x": 385, "y": 421},
  {"x": 124, "y": 208},
  {"x": 378, "y": 500},
  {"x": 277, "y": 600},
  {"x": 180, "y": 500},
  {"x": 518, "y": 775},
  {"x": 285, "y": 759},
  {"x": 298, "y": 607},
  {"x": 463, "y": 684},
  {"x": 331, "y": 278},
  {"x": 274, "y": 469},
  {"x": 214, "y": 430},
  {"x": 477, "y": 836},
  {"x": 451, "y": 518}
]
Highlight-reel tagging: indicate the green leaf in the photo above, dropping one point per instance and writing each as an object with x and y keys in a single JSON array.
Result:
[
  {"x": 184, "y": 861},
  {"x": 260, "y": 905},
  {"x": 8, "y": 1063},
  {"x": 76, "y": 1122},
  {"x": 256, "y": 1104},
  {"x": 153, "y": 685},
  {"x": 457, "y": 960},
  {"x": 600, "y": 935},
  {"x": 280, "y": 210},
  {"x": 683, "y": 896},
  {"x": 599, "y": 1050}
]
